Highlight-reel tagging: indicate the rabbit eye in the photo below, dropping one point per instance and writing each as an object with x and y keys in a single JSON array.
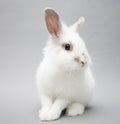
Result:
[{"x": 67, "y": 46}]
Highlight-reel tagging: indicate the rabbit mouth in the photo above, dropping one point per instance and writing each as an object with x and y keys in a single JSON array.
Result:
[
  {"x": 83, "y": 63},
  {"x": 77, "y": 66}
]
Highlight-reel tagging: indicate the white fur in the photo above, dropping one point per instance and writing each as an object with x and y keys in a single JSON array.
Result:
[{"x": 62, "y": 82}]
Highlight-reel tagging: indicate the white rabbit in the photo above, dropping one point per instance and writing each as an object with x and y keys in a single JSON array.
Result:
[{"x": 64, "y": 77}]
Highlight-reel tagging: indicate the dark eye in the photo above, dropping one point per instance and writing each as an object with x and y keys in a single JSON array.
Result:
[{"x": 67, "y": 46}]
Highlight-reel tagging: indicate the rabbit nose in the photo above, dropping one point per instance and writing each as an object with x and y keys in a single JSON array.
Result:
[{"x": 78, "y": 59}]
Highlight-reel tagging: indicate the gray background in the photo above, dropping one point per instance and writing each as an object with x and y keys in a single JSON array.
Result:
[{"x": 23, "y": 35}]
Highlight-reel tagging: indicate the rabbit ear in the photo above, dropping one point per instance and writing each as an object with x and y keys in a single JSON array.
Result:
[
  {"x": 77, "y": 25},
  {"x": 52, "y": 21}
]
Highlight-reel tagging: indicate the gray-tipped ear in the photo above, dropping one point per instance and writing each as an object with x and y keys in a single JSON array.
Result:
[
  {"x": 52, "y": 21},
  {"x": 77, "y": 25}
]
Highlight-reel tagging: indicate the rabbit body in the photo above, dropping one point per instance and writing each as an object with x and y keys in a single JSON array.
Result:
[
  {"x": 64, "y": 77},
  {"x": 73, "y": 86}
]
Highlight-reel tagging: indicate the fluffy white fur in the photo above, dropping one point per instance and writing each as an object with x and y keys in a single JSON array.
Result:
[{"x": 62, "y": 82}]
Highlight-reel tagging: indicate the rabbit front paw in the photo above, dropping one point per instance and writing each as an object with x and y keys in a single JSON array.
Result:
[
  {"x": 47, "y": 114},
  {"x": 43, "y": 113},
  {"x": 53, "y": 114}
]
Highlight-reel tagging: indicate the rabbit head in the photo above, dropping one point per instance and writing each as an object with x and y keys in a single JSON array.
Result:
[{"x": 65, "y": 47}]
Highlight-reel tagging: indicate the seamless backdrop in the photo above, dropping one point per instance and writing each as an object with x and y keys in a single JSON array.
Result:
[{"x": 23, "y": 35}]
